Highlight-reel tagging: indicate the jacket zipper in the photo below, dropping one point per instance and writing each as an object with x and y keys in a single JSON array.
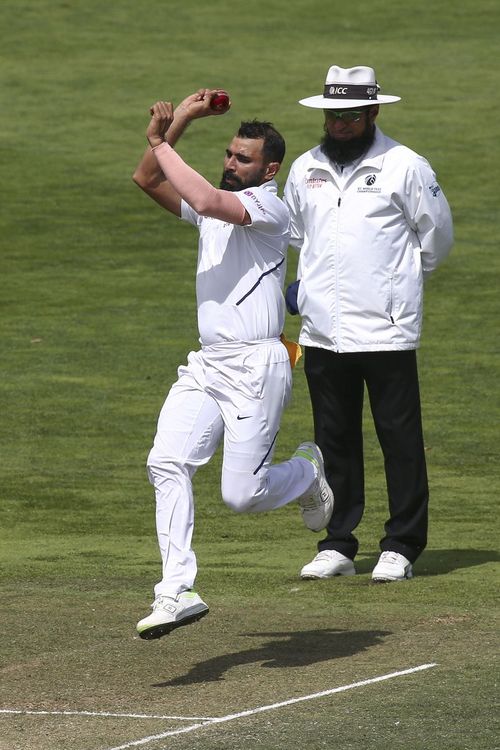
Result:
[
  {"x": 337, "y": 303},
  {"x": 391, "y": 299}
]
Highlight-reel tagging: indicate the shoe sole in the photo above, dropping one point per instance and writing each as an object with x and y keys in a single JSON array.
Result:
[
  {"x": 391, "y": 580},
  {"x": 164, "y": 628},
  {"x": 315, "y": 577}
]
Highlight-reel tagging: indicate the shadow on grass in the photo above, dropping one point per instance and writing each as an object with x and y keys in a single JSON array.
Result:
[
  {"x": 284, "y": 650},
  {"x": 435, "y": 562}
]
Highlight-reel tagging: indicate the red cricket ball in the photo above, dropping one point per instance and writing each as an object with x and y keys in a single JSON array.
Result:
[{"x": 219, "y": 101}]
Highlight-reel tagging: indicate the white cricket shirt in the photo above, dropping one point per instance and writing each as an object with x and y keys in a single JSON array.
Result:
[{"x": 241, "y": 269}]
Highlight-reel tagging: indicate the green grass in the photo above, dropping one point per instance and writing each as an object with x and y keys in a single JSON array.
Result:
[{"x": 97, "y": 311}]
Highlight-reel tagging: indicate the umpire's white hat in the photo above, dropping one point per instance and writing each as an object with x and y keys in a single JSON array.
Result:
[{"x": 349, "y": 87}]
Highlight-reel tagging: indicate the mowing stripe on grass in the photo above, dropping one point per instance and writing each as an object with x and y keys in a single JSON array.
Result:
[
  {"x": 272, "y": 706},
  {"x": 99, "y": 714}
]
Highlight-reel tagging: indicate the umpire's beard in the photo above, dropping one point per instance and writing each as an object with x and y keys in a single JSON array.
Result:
[{"x": 345, "y": 152}]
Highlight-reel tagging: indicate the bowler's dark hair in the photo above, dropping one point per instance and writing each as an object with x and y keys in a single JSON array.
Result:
[{"x": 274, "y": 143}]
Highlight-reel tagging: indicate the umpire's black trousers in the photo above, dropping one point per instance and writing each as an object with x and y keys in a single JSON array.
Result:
[{"x": 336, "y": 385}]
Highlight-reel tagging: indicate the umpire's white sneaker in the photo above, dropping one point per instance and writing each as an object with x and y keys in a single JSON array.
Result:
[
  {"x": 392, "y": 566},
  {"x": 317, "y": 505},
  {"x": 170, "y": 613},
  {"x": 328, "y": 563}
]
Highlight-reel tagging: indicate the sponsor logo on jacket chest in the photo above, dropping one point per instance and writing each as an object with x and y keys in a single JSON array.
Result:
[
  {"x": 369, "y": 185},
  {"x": 315, "y": 182}
]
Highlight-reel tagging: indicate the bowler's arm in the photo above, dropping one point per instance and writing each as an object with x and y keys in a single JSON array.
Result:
[
  {"x": 148, "y": 175},
  {"x": 203, "y": 197}
]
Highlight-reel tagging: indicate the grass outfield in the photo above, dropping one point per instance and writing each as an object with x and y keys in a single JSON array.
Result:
[{"x": 97, "y": 312}]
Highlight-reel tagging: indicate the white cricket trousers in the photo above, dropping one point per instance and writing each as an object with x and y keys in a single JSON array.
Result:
[{"x": 227, "y": 391}]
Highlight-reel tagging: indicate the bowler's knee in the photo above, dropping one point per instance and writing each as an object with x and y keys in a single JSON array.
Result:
[{"x": 239, "y": 494}]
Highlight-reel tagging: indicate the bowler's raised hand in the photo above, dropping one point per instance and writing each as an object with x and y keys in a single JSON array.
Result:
[{"x": 162, "y": 115}]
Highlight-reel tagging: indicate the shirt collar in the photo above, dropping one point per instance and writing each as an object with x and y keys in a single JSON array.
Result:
[{"x": 271, "y": 186}]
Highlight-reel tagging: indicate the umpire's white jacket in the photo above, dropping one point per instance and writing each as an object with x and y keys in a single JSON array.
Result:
[{"x": 367, "y": 235}]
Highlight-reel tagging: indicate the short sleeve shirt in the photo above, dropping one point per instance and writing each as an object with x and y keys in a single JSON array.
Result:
[{"x": 241, "y": 269}]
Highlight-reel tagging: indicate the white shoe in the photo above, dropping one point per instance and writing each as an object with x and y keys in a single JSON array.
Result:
[
  {"x": 317, "y": 505},
  {"x": 392, "y": 566},
  {"x": 328, "y": 563},
  {"x": 170, "y": 613}
]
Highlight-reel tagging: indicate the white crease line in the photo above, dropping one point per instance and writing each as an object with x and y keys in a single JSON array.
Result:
[
  {"x": 272, "y": 706},
  {"x": 101, "y": 713}
]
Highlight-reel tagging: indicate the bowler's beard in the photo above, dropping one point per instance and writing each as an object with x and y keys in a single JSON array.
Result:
[
  {"x": 345, "y": 152},
  {"x": 230, "y": 181}
]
